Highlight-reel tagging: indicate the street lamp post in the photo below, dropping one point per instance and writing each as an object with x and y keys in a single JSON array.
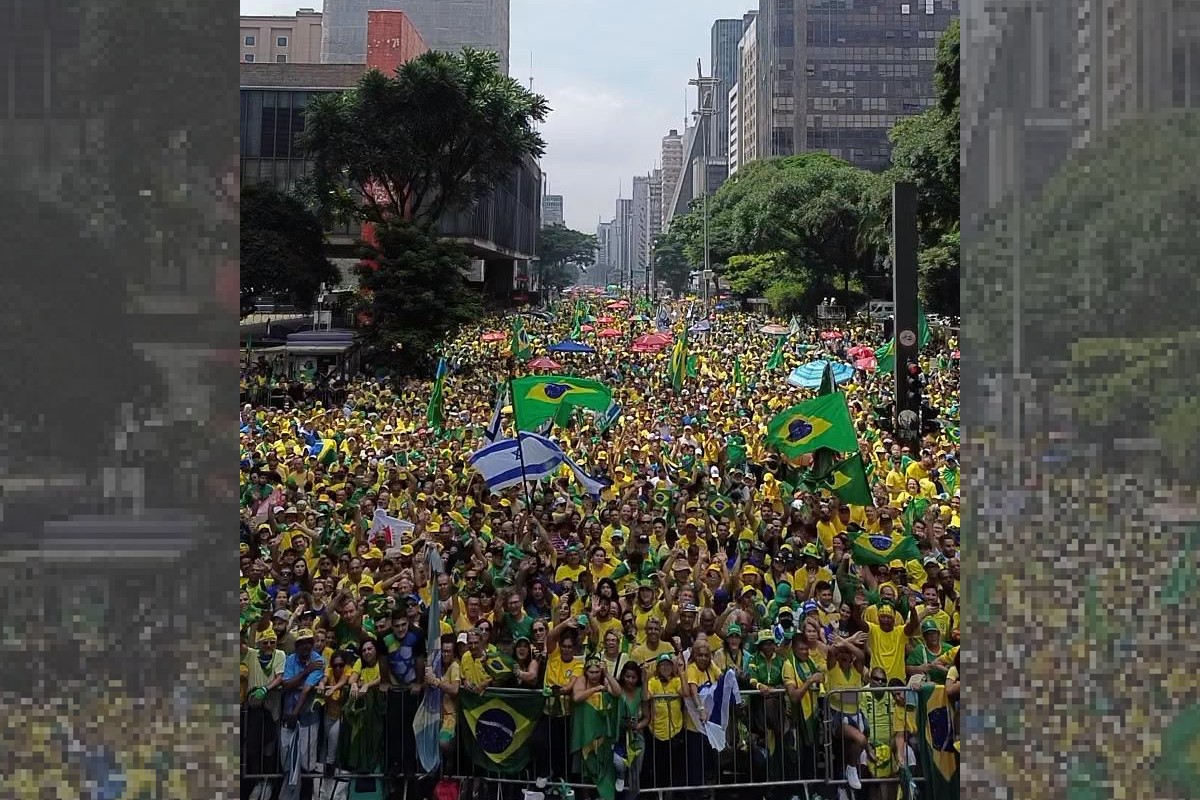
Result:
[{"x": 705, "y": 110}]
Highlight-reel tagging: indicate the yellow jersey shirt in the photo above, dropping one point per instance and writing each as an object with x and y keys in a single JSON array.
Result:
[
  {"x": 887, "y": 649},
  {"x": 473, "y": 670},
  {"x": 644, "y": 655},
  {"x": 701, "y": 678},
  {"x": 561, "y": 673},
  {"x": 667, "y": 713}
]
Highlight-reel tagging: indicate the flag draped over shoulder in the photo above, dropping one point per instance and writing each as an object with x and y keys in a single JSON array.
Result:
[
  {"x": 537, "y": 398},
  {"x": 435, "y": 413},
  {"x": 821, "y": 422},
  {"x": 939, "y": 756},
  {"x": 427, "y": 724},
  {"x": 592, "y": 734},
  {"x": 848, "y": 480},
  {"x": 496, "y": 728},
  {"x": 718, "y": 699},
  {"x": 880, "y": 548}
]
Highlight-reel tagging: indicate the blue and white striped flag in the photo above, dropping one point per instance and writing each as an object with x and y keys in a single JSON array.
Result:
[
  {"x": 718, "y": 699},
  {"x": 500, "y": 463},
  {"x": 427, "y": 724},
  {"x": 591, "y": 486},
  {"x": 494, "y": 426}
]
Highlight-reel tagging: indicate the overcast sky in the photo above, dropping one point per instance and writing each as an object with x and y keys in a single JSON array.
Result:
[{"x": 615, "y": 73}]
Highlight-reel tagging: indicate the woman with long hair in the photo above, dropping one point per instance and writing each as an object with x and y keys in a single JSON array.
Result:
[
  {"x": 332, "y": 693},
  {"x": 527, "y": 666},
  {"x": 595, "y": 693},
  {"x": 360, "y": 749},
  {"x": 632, "y": 718}
]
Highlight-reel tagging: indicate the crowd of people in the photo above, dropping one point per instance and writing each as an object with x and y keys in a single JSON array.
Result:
[{"x": 705, "y": 552}]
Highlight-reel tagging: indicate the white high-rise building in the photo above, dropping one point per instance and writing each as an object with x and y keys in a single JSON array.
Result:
[
  {"x": 672, "y": 168},
  {"x": 749, "y": 92},
  {"x": 552, "y": 209},
  {"x": 735, "y": 123}
]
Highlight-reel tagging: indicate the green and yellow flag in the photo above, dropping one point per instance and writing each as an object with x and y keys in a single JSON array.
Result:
[
  {"x": 939, "y": 750},
  {"x": 592, "y": 734},
  {"x": 537, "y": 398},
  {"x": 435, "y": 412},
  {"x": 821, "y": 422},
  {"x": 880, "y": 548},
  {"x": 776, "y": 359},
  {"x": 664, "y": 496},
  {"x": 721, "y": 506},
  {"x": 677, "y": 366},
  {"x": 739, "y": 380},
  {"x": 497, "y": 728},
  {"x": 520, "y": 346},
  {"x": 848, "y": 480}
]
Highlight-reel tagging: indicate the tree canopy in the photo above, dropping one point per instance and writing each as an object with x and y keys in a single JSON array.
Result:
[
  {"x": 282, "y": 248},
  {"x": 434, "y": 137},
  {"x": 562, "y": 254},
  {"x": 671, "y": 266}
]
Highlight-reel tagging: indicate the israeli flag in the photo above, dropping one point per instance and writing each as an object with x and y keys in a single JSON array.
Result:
[
  {"x": 591, "y": 486},
  {"x": 493, "y": 428},
  {"x": 609, "y": 416},
  {"x": 500, "y": 463},
  {"x": 718, "y": 699}
]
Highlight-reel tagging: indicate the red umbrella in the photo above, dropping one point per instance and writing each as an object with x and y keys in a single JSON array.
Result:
[
  {"x": 954, "y": 354},
  {"x": 829, "y": 336},
  {"x": 586, "y": 328},
  {"x": 865, "y": 363},
  {"x": 618, "y": 304},
  {"x": 494, "y": 336},
  {"x": 609, "y": 333},
  {"x": 651, "y": 342},
  {"x": 604, "y": 320},
  {"x": 860, "y": 351},
  {"x": 541, "y": 362}
]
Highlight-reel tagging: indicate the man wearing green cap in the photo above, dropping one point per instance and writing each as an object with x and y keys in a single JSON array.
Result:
[{"x": 921, "y": 661}]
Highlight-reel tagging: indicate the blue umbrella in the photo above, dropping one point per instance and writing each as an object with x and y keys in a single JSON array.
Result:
[
  {"x": 808, "y": 376},
  {"x": 700, "y": 327},
  {"x": 570, "y": 346}
]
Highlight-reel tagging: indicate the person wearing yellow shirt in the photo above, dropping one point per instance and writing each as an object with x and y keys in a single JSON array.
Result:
[
  {"x": 563, "y": 666},
  {"x": 598, "y": 564},
  {"x": 885, "y": 639},
  {"x": 827, "y": 528},
  {"x": 647, "y": 653},
  {"x": 700, "y": 673},
  {"x": 842, "y": 679},
  {"x": 920, "y": 469},
  {"x": 449, "y": 683},
  {"x": 573, "y": 566},
  {"x": 812, "y": 571},
  {"x": 802, "y": 679},
  {"x": 473, "y": 666},
  {"x": 665, "y": 757}
]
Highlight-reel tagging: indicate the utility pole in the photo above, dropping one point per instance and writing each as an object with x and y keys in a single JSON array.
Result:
[
  {"x": 706, "y": 109},
  {"x": 904, "y": 290}
]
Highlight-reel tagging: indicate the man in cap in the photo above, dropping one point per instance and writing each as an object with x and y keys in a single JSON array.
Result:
[
  {"x": 302, "y": 672},
  {"x": 925, "y": 655}
]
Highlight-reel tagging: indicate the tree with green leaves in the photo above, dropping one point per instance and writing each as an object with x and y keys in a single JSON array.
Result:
[
  {"x": 415, "y": 293},
  {"x": 441, "y": 132},
  {"x": 670, "y": 264},
  {"x": 282, "y": 248},
  {"x": 562, "y": 254}
]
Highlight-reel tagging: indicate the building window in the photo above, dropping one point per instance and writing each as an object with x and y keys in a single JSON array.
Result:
[
  {"x": 249, "y": 58},
  {"x": 249, "y": 41},
  {"x": 281, "y": 59},
  {"x": 905, "y": 8},
  {"x": 281, "y": 41}
]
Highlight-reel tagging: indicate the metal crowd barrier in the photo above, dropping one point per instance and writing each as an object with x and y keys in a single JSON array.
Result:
[{"x": 767, "y": 748}]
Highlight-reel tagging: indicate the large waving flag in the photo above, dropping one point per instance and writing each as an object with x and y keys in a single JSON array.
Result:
[
  {"x": 390, "y": 529},
  {"x": 677, "y": 366},
  {"x": 592, "y": 487},
  {"x": 821, "y": 422},
  {"x": 938, "y": 753},
  {"x": 501, "y": 465},
  {"x": 719, "y": 699},
  {"x": 776, "y": 359},
  {"x": 435, "y": 412},
  {"x": 427, "y": 724},
  {"x": 537, "y": 398},
  {"x": 848, "y": 480},
  {"x": 497, "y": 728},
  {"x": 880, "y": 548}
]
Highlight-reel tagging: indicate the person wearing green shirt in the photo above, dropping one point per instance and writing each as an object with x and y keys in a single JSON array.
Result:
[
  {"x": 767, "y": 712},
  {"x": 921, "y": 661}
]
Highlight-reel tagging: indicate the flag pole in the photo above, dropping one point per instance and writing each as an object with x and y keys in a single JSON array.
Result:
[{"x": 512, "y": 369}]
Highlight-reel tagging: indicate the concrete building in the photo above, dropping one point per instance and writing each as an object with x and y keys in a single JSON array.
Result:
[
  {"x": 723, "y": 65},
  {"x": 656, "y": 204},
  {"x": 282, "y": 40},
  {"x": 1128, "y": 57},
  {"x": 621, "y": 249},
  {"x": 672, "y": 168},
  {"x": 500, "y": 230},
  {"x": 735, "y": 125},
  {"x": 641, "y": 239},
  {"x": 604, "y": 255},
  {"x": 750, "y": 90},
  {"x": 552, "y": 209},
  {"x": 444, "y": 24},
  {"x": 838, "y": 76}
]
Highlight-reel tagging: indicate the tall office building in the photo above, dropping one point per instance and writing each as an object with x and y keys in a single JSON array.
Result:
[
  {"x": 641, "y": 240},
  {"x": 444, "y": 25},
  {"x": 723, "y": 65},
  {"x": 656, "y": 203},
  {"x": 281, "y": 40},
  {"x": 672, "y": 169},
  {"x": 836, "y": 77},
  {"x": 622, "y": 245},
  {"x": 748, "y": 94},
  {"x": 600, "y": 275},
  {"x": 552, "y": 210}
]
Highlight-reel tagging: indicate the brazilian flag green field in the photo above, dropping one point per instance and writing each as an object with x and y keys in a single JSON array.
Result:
[{"x": 497, "y": 729}]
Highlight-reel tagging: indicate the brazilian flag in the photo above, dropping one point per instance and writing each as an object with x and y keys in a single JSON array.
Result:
[
  {"x": 537, "y": 398},
  {"x": 938, "y": 753},
  {"x": 677, "y": 367},
  {"x": 435, "y": 412},
  {"x": 497, "y": 728},
  {"x": 593, "y": 731},
  {"x": 914, "y": 511},
  {"x": 879, "y": 548},
  {"x": 664, "y": 497},
  {"x": 721, "y": 506},
  {"x": 739, "y": 380},
  {"x": 520, "y": 346},
  {"x": 499, "y": 666},
  {"x": 823, "y": 422},
  {"x": 848, "y": 480},
  {"x": 885, "y": 357},
  {"x": 328, "y": 452},
  {"x": 776, "y": 359}
]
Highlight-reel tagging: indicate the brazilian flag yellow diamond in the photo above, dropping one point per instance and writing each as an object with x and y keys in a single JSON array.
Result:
[
  {"x": 821, "y": 422},
  {"x": 537, "y": 398}
]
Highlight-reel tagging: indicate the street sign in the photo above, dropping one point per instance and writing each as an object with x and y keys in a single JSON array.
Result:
[{"x": 908, "y": 338}]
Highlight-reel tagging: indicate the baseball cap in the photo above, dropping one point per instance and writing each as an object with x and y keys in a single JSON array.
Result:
[
  {"x": 667, "y": 657},
  {"x": 462, "y": 638},
  {"x": 765, "y": 636},
  {"x": 930, "y": 625},
  {"x": 895, "y": 563},
  {"x": 304, "y": 633},
  {"x": 734, "y": 630},
  {"x": 283, "y": 614}
]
